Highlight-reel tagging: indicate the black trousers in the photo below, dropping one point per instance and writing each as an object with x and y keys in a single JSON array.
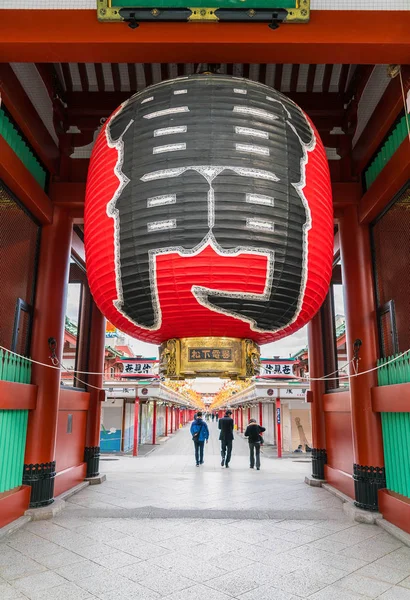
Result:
[
  {"x": 199, "y": 452},
  {"x": 255, "y": 448},
  {"x": 226, "y": 450}
]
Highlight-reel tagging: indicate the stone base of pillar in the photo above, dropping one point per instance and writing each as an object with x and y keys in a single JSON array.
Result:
[
  {"x": 92, "y": 458},
  {"x": 40, "y": 477},
  {"x": 319, "y": 460},
  {"x": 96, "y": 480},
  {"x": 367, "y": 481},
  {"x": 313, "y": 482}
]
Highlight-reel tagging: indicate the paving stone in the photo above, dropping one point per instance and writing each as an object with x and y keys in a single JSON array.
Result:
[
  {"x": 371, "y": 588},
  {"x": 167, "y": 582},
  {"x": 22, "y": 567},
  {"x": 8, "y": 592},
  {"x": 115, "y": 560},
  {"x": 60, "y": 559},
  {"x": 396, "y": 593},
  {"x": 335, "y": 593},
  {"x": 67, "y": 591},
  {"x": 235, "y": 583},
  {"x": 81, "y": 570},
  {"x": 267, "y": 592},
  {"x": 382, "y": 573},
  {"x": 198, "y": 592},
  {"x": 137, "y": 592},
  {"x": 38, "y": 582}
]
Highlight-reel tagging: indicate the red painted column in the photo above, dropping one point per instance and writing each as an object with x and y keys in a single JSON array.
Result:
[
  {"x": 317, "y": 369},
  {"x": 260, "y": 414},
  {"x": 136, "y": 426},
  {"x": 278, "y": 428},
  {"x": 361, "y": 324},
  {"x": 49, "y": 317},
  {"x": 95, "y": 365},
  {"x": 154, "y": 424},
  {"x": 166, "y": 420},
  {"x": 249, "y": 414},
  {"x": 241, "y": 409}
]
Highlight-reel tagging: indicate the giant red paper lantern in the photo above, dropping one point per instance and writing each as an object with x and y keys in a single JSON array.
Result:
[{"x": 208, "y": 213}]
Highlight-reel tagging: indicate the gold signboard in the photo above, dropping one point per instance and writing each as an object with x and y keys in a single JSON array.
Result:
[{"x": 233, "y": 358}]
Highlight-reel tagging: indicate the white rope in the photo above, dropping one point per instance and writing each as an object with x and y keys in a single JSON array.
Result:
[
  {"x": 327, "y": 378},
  {"x": 71, "y": 371}
]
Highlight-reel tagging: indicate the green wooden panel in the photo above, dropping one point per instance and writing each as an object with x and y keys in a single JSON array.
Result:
[
  {"x": 19, "y": 146},
  {"x": 13, "y": 432},
  {"x": 396, "y": 442},
  {"x": 205, "y": 3},
  {"x": 396, "y": 137},
  {"x": 14, "y": 368}
]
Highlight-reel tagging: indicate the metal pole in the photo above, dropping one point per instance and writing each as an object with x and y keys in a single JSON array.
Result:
[
  {"x": 278, "y": 428},
  {"x": 136, "y": 426},
  {"x": 154, "y": 424}
]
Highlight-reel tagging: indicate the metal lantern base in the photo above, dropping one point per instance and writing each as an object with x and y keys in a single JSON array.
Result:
[{"x": 233, "y": 358}]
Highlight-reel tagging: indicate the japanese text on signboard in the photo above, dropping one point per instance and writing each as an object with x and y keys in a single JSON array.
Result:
[
  {"x": 278, "y": 369},
  {"x": 214, "y": 354},
  {"x": 138, "y": 368}
]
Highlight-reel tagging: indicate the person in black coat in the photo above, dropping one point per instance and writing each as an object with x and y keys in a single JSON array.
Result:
[
  {"x": 226, "y": 436},
  {"x": 253, "y": 433}
]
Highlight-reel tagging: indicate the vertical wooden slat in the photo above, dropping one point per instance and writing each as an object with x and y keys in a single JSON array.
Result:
[
  {"x": 344, "y": 72},
  {"x": 326, "y": 78},
  {"x": 164, "y": 72},
  {"x": 115, "y": 69},
  {"x": 278, "y": 77},
  {"x": 311, "y": 78},
  {"x": 229, "y": 68},
  {"x": 83, "y": 77},
  {"x": 100, "y": 77},
  {"x": 262, "y": 73},
  {"x": 246, "y": 67},
  {"x": 180, "y": 69},
  {"x": 67, "y": 77},
  {"x": 294, "y": 78},
  {"x": 148, "y": 74},
  {"x": 132, "y": 77}
]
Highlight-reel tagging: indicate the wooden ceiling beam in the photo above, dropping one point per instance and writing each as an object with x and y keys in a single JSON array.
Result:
[
  {"x": 22, "y": 110},
  {"x": 378, "y": 37}
]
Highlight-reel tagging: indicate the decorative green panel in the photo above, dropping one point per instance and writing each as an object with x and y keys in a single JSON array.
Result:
[
  {"x": 396, "y": 137},
  {"x": 13, "y": 431},
  {"x": 396, "y": 442},
  {"x": 397, "y": 371},
  {"x": 19, "y": 146},
  {"x": 14, "y": 368}
]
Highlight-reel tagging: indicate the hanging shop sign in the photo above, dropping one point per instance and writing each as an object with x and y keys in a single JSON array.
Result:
[
  {"x": 209, "y": 198},
  {"x": 139, "y": 368},
  {"x": 136, "y": 11},
  {"x": 277, "y": 369}
]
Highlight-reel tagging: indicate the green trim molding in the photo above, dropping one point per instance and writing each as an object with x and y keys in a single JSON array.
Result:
[{"x": 20, "y": 146}]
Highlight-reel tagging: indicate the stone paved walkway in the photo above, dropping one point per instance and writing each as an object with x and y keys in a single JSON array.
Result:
[{"x": 162, "y": 528}]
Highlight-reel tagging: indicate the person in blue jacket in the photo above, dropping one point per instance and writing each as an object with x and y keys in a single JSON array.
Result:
[{"x": 200, "y": 434}]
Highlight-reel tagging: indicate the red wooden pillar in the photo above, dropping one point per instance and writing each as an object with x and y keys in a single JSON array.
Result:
[
  {"x": 316, "y": 370},
  {"x": 241, "y": 414},
  {"x": 249, "y": 414},
  {"x": 278, "y": 428},
  {"x": 154, "y": 423},
  {"x": 49, "y": 318},
  {"x": 136, "y": 426},
  {"x": 260, "y": 414},
  {"x": 368, "y": 468},
  {"x": 95, "y": 365},
  {"x": 166, "y": 420}
]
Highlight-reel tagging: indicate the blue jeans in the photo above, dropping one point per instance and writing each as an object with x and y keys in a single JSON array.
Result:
[{"x": 199, "y": 452}]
